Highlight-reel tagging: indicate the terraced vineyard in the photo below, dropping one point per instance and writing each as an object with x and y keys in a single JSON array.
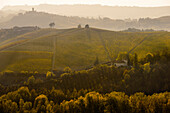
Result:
[{"x": 76, "y": 48}]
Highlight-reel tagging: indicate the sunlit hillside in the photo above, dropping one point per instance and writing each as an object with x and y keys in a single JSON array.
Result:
[{"x": 76, "y": 48}]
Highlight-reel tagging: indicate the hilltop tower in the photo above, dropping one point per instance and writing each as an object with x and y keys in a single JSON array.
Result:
[{"x": 33, "y": 9}]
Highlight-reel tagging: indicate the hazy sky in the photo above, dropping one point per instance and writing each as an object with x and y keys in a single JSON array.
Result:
[{"x": 144, "y": 3}]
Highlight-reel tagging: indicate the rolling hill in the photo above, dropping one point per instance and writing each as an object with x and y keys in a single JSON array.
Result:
[
  {"x": 76, "y": 48},
  {"x": 113, "y": 12},
  {"x": 42, "y": 19}
]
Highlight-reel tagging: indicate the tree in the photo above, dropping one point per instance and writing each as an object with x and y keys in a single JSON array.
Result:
[
  {"x": 52, "y": 24},
  {"x": 21, "y": 104},
  {"x": 33, "y": 95},
  {"x": 50, "y": 74},
  {"x": 79, "y": 26},
  {"x": 14, "y": 107},
  {"x": 149, "y": 57},
  {"x": 146, "y": 67},
  {"x": 31, "y": 80},
  {"x": 122, "y": 56},
  {"x": 65, "y": 75},
  {"x": 27, "y": 106},
  {"x": 24, "y": 93},
  {"x": 67, "y": 70},
  {"x": 49, "y": 109},
  {"x": 87, "y": 26},
  {"x": 96, "y": 61},
  {"x": 135, "y": 61},
  {"x": 94, "y": 102},
  {"x": 41, "y": 103},
  {"x": 128, "y": 60},
  {"x": 56, "y": 95}
]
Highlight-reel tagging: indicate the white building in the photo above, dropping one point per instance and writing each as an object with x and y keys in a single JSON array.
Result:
[{"x": 121, "y": 63}]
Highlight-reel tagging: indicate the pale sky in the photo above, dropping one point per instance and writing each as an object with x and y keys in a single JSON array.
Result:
[{"x": 143, "y": 3}]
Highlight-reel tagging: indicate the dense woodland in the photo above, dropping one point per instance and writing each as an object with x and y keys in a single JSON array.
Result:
[
  {"x": 24, "y": 100},
  {"x": 143, "y": 86}
]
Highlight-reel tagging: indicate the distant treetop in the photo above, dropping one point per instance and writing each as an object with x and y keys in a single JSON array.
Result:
[
  {"x": 79, "y": 26},
  {"x": 52, "y": 24},
  {"x": 86, "y": 26}
]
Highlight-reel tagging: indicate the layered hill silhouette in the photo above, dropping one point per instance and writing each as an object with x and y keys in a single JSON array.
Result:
[
  {"x": 41, "y": 19},
  {"x": 113, "y": 12},
  {"x": 77, "y": 48}
]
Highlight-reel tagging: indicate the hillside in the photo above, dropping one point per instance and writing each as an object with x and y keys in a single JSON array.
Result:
[
  {"x": 6, "y": 34},
  {"x": 113, "y": 12},
  {"x": 42, "y": 19},
  {"x": 76, "y": 48}
]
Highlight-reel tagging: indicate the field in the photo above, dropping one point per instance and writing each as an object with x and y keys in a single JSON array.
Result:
[{"x": 76, "y": 48}]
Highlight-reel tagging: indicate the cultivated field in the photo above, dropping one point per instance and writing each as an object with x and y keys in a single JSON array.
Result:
[{"x": 76, "y": 48}]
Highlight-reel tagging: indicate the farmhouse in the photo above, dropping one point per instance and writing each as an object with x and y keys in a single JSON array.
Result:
[{"x": 121, "y": 63}]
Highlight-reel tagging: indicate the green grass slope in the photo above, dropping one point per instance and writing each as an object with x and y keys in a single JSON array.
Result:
[{"x": 76, "y": 48}]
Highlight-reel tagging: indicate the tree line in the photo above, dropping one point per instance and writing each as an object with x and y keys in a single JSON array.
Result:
[
  {"x": 25, "y": 101},
  {"x": 148, "y": 75},
  {"x": 135, "y": 88}
]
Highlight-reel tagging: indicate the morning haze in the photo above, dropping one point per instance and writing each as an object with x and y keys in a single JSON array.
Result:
[
  {"x": 69, "y": 16},
  {"x": 114, "y": 12}
]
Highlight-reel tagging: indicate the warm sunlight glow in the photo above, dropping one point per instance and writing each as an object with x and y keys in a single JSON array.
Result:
[{"x": 143, "y": 3}]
